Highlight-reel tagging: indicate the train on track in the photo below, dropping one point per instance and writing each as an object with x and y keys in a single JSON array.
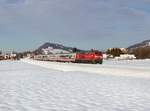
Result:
[{"x": 94, "y": 57}]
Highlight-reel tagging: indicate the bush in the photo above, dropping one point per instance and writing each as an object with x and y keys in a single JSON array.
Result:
[
  {"x": 116, "y": 52},
  {"x": 142, "y": 52}
]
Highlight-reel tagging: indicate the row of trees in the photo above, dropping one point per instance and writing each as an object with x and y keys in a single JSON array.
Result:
[
  {"x": 140, "y": 53},
  {"x": 115, "y": 52}
]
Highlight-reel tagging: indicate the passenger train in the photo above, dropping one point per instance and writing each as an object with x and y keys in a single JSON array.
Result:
[{"x": 93, "y": 57}]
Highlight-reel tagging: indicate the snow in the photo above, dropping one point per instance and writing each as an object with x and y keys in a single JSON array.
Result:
[
  {"x": 27, "y": 87},
  {"x": 126, "y": 57},
  {"x": 119, "y": 68},
  {"x": 54, "y": 51}
]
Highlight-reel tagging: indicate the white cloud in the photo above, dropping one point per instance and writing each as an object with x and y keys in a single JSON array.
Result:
[{"x": 76, "y": 20}]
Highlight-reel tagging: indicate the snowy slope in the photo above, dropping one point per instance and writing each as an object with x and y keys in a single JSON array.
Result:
[
  {"x": 141, "y": 44},
  {"x": 54, "y": 51},
  {"x": 135, "y": 68},
  {"x": 25, "y": 87}
]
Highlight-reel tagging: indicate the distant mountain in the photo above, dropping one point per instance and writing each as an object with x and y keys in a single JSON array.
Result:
[
  {"x": 54, "y": 48},
  {"x": 145, "y": 43}
]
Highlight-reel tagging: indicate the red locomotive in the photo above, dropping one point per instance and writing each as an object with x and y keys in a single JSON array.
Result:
[
  {"x": 89, "y": 57},
  {"x": 78, "y": 57}
]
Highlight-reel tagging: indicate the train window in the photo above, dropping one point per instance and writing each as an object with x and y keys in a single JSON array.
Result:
[
  {"x": 44, "y": 56},
  {"x": 97, "y": 52}
]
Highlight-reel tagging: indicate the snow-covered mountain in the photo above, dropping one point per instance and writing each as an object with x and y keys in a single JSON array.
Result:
[
  {"x": 145, "y": 43},
  {"x": 54, "y": 48},
  {"x": 51, "y": 50}
]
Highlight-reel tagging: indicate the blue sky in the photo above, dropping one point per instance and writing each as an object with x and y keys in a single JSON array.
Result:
[{"x": 86, "y": 24}]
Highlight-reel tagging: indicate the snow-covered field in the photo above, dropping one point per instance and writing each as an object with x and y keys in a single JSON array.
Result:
[
  {"x": 74, "y": 87},
  {"x": 134, "y": 68}
]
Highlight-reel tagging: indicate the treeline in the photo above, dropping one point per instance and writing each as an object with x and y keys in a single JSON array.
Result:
[
  {"x": 22, "y": 54},
  {"x": 115, "y": 52},
  {"x": 142, "y": 52}
]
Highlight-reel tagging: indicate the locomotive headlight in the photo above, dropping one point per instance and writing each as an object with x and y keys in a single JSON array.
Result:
[{"x": 96, "y": 56}]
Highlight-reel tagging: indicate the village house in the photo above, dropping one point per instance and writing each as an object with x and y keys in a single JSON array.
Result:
[{"x": 8, "y": 56}]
